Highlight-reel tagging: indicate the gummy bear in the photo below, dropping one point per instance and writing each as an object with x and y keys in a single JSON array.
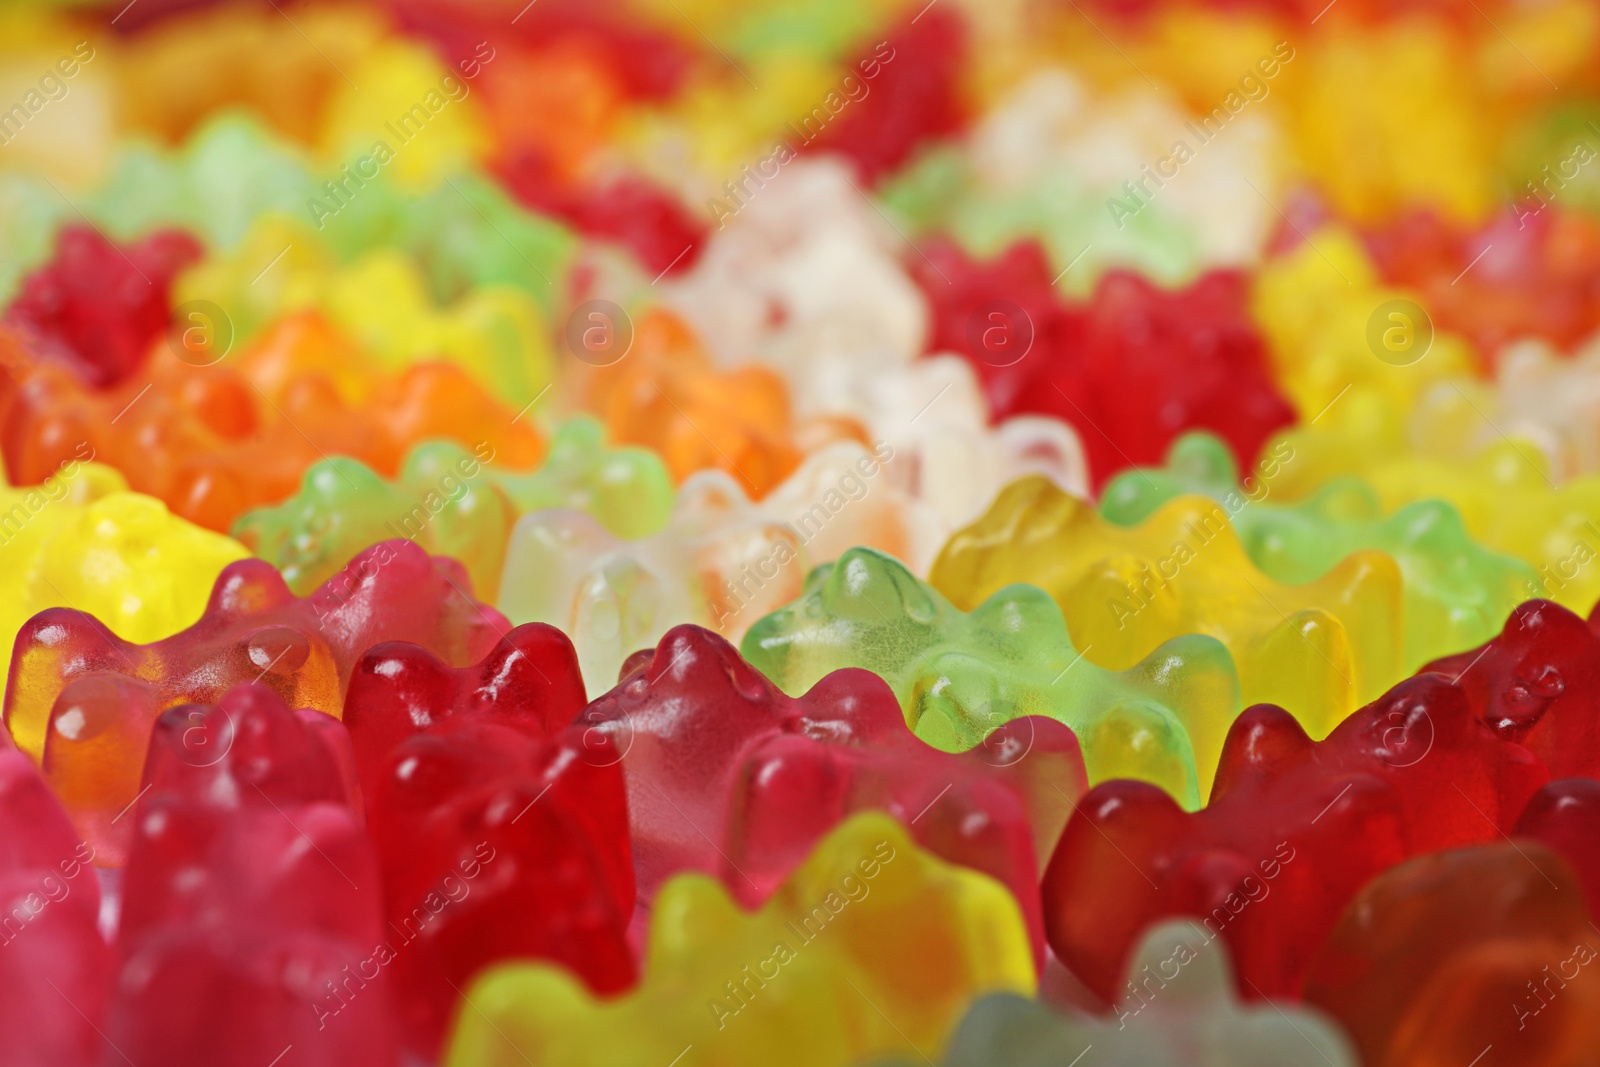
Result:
[
  {"x": 1478, "y": 952},
  {"x": 1181, "y": 975},
  {"x": 252, "y": 896},
  {"x": 54, "y": 964},
  {"x": 626, "y": 488},
  {"x": 1293, "y": 830},
  {"x": 1130, "y": 370},
  {"x": 872, "y": 948},
  {"x": 1456, "y": 592},
  {"x": 958, "y": 676},
  {"x": 80, "y": 540},
  {"x": 770, "y": 775},
  {"x": 95, "y": 307},
  {"x": 72, "y": 679},
  {"x": 1317, "y": 649},
  {"x": 498, "y": 843},
  {"x": 1565, "y": 816},
  {"x": 443, "y": 500}
]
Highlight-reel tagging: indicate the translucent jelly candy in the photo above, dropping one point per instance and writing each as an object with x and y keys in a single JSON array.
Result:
[
  {"x": 80, "y": 540},
  {"x": 1318, "y": 648},
  {"x": 1182, "y": 977},
  {"x": 959, "y": 676},
  {"x": 721, "y": 561},
  {"x": 1477, "y": 952},
  {"x": 96, "y": 307},
  {"x": 1456, "y": 592},
  {"x": 1110, "y": 367},
  {"x": 443, "y": 500},
  {"x": 626, "y": 488},
  {"x": 1293, "y": 830},
  {"x": 1316, "y": 303},
  {"x": 872, "y": 948},
  {"x": 666, "y": 395},
  {"x": 252, "y": 900},
  {"x": 215, "y": 438},
  {"x": 914, "y": 97},
  {"x": 1565, "y": 816},
  {"x": 498, "y": 843},
  {"x": 768, "y": 775},
  {"x": 73, "y": 680},
  {"x": 1537, "y": 684},
  {"x": 1539, "y": 283},
  {"x": 54, "y": 965}
]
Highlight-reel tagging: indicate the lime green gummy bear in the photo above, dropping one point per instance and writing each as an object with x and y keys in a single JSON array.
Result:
[
  {"x": 959, "y": 675},
  {"x": 1456, "y": 593},
  {"x": 442, "y": 499},
  {"x": 628, "y": 489}
]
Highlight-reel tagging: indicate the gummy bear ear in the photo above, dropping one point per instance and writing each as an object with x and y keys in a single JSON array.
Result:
[
  {"x": 1204, "y": 459},
  {"x": 1026, "y": 609},
  {"x": 1189, "y": 965},
  {"x": 875, "y": 588}
]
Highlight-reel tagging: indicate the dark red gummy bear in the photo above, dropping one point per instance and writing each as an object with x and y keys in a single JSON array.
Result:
[
  {"x": 912, "y": 96},
  {"x": 729, "y": 776},
  {"x": 54, "y": 965},
  {"x": 1131, "y": 370},
  {"x": 502, "y": 835},
  {"x": 252, "y": 901},
  {"x": 1538, "y": 684},
  {"x": 96, "y": 306},
  {"x": 1294, "y": 828},
  {"x": 86, "y": 699},
  {"x": 1565, "y": 815},
  {"x": 643, "y": 217}
]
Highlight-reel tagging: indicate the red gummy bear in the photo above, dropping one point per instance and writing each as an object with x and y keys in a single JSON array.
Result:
[
  {"x": 1293, "y": 830},
  {"x": 1131, "y": 371},
  {"x": 729, "y": 776},
  {"x": 54, "y": 965},
  {"x": 502, "y": 834},
  {"x": 96, "y": 307},
  {"x": 1538, "y": 684},
  {"x": 252, "y": 899},
  {"x": 1565, "y": 815},
  {"x": 400, "y": 689},
  {"x": 84, "y": 700},
  {"x": 912, "y": 95}
]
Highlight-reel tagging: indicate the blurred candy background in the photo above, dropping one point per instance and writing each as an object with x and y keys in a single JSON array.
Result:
[{"x": 816, "y": 532}]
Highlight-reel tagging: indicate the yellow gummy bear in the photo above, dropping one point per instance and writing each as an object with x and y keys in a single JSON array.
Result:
[
  {"x": 1315, "y": 306},
  {"x": 1319, "y": 650},
  {"x": 871, "y": 949},
  {"x": 81, "y": 540}
]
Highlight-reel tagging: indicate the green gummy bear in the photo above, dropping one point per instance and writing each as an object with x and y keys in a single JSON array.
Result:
[
  {"x": 443, "y": 499},
  {"x": 1457, "y": 593},
  {"x": 960, "y": 675},
  {"x": 628, "y": 488}
]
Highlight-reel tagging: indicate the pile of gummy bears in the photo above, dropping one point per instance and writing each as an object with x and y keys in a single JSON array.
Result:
[{"x": 835, "y": 533}]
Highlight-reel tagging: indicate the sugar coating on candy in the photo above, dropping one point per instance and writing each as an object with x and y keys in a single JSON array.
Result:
[
  {"x": 958, "y": 676},
  {"x": 721, "y": 561},
  {"x": 96, "y": 308},
  {"x": 216, "y": 438},
  {"x": 1456, "y": 592},
  {"x": 54, "y": 965},
  {"x": 1110, "y": 367},
  {"x": 502, "y": 835},
  {"x": 1293, "y": 830},
  {"x": 1483, "y": 951},
  {"x": 252, "y": 896},
  {"x": 872, "y": 948},
  {"x": 1318, "y": 649},
  {"x": 729, "y": 776},
  {"x": 1179, "y": 1008},
  {"x": 80, "y": 539},
  {"x": 72, "y": 677},
  {"x": 442, "y": 500}
]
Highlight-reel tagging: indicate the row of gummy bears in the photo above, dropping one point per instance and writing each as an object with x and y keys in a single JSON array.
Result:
[{"x": 844, "y": 532}]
